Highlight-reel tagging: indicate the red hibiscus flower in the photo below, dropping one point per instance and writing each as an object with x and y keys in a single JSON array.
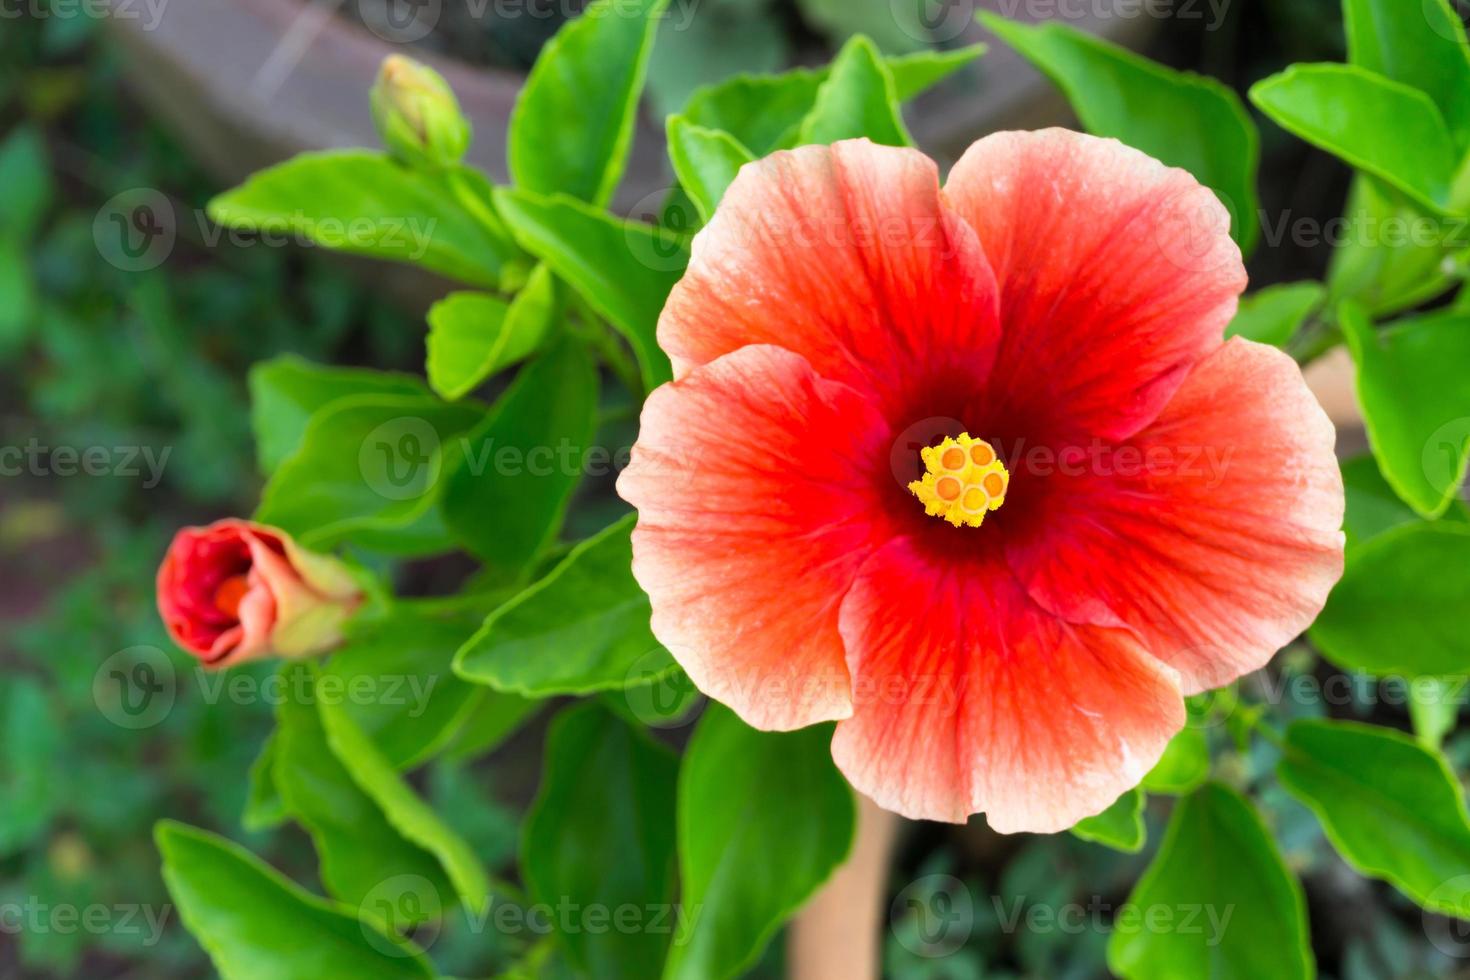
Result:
[
  {"x": 237, "y": 591},
  {"x": 971, "y": 471}
]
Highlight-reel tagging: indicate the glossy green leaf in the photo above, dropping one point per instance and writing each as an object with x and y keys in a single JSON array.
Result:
[
  {"x": 365, "y": 203},
  {"x": 1425, "y": 48},
  {"x": 858, "y": 99},
  {"x": 1218, "y": 866},
  {"x": 1416, "y": 401},
  {"x": 1274, "y": 314},
  {"x": 1399, "y": 608},
  {"x": 623, "y": 269},
  {"x": 507, "y": 494},
  {"x": 286, "y": 391},
  {"x": 705, "y": 161},
  {"x": 1184, "y": 766},
  {"x": 1393, "y": 256},
  {"x": 358, "y": 849},
  {"x": 1120, "y": 826},
  {"x": 370, "y": 470},
  {"x": 1373, "y": 507},
  {"x": 1381, "y": 127},
  {"x": 572, "y": 125},
  {"x": 1393, "y": 809},
  {"x": 600, "y": 836},
  {"x": 582, "y": 628},
  {"x": 410, "y": 816},
  {"x": 475, "y": 335},
  {"x": 411, "y": 704},
  {"x": 765, "y": 112},
  {"x": 764, "y": 819},
  {"x": 253, "y": 922},
  {"x": 1183, "y": 119}
]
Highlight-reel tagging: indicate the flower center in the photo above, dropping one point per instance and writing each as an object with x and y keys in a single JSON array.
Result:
[
  {"x": 227, "y": 597},
  {"x": 963, "y": 480}
]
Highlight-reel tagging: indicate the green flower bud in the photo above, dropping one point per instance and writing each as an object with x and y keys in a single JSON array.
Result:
[{"x": 417, "y": 114}]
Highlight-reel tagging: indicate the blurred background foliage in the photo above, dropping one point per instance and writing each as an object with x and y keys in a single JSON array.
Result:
[{"x": 95, "y": 356}]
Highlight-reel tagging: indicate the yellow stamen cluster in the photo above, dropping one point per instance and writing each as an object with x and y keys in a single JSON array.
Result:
[{"x": 964, "y": 480}]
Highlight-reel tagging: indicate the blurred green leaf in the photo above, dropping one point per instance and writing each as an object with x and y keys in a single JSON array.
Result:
[
  {"x": 1184, "y": 766},
  {"x": 705, "y": 161},
  {"x": 1373, "y": 507},
  {"x": 264, "y": 808},
  {"x": 1391, "y": 807},
  {"x": 1183, "y": 119},
  {"x": 1383, "y": 128},
  {"x": 895, "y": 27},
  {"x": 1399, "y": 606},
  {"x": 1434, "y": 708},
  {"x": 365, "y": 203},
  {"x": 1274, "y": 314},
  {"x": 582, "y": 628},
  {"x": 623, "y": 269},
  {"x": 370, "y": 469},
  {"x": 475, "y": 335},
  {"x": 601, "y": 837},
  {"x": 572, "y": 125},
  {"x": 18, "y": 300},
  {"x": 1416, "y": 401},
  {"x": 286, "y": 391},
  {"x": 1249, "y": 918},
  {"x": 361, "y": 853},
  {"x": 1426, "y": 49},
  {"x": 1120, "y": 826},
  {"x": 25, "y": 174},
  {"x": 858, "y": 99},
  {"x": 255, "y": 923},
  {"x": 702, "y": 42},
  {"x": 1393, "y": 256},
  {"x": 28, "y": 783},
  {"x": 764, "y": 819},
  {"x": 507, "y": 493}
]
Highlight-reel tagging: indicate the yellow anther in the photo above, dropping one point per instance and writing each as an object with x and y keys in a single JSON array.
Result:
[{"x": 963, "y": 481}]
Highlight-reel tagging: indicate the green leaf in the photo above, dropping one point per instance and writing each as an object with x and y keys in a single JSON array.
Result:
[
  {"x": 1373, "y": 507},
  {"x": 1434, "y": 708},
  {"x": 402, "y": 660},
  {"x": 704, "y": 43},
  {"x": 29, "y": 752},
  {"x": 572, "y": 125},
  {"x": 370, "y": 470},
  {"x": 253, "y": 922},
  {"x": 495, "y": 718},
  {"x": 1399, "y": 606},
  {"x": 764, "y": 819},
  {"x": 286, "y": 391},
  {"x": 858, "y": 99},
  {"x": 894, "y": 27},
  {"x": 1388, "y": 263},
  {"x": 600, "y": 836},
  {"x": 705, "y": 161},
  {"x": 582, "y": 628},
  {"x": 1250, "y": 916},
  {"x": 264, "y": 808},
  {"x": 475, "y": 335},
  {"x": 25, "y": 173},
  {"x": 1416, "y": 401},
  {"x": 1184, "y": 766},
  {"x": 623, "y": 269},
  {"x": 1180, "y": 118},
  {"x": 1274, "y": 314},
  {"x": 764, "y": 112},
  {"x": 359, "y": 850},
  {"x": 1391, "y": 807},
  {"x": 365, "y": 203},
  {"x": 507, "y": 494},
  {"x": 1425, "y": 49},
  {"x": 410, "y": 816},
  {"x": 1120, "y": 826},
  {"x": 1381, "y": 127}
]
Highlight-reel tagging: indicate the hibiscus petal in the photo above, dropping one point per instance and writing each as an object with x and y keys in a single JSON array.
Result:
[
  {"x": 846, "y": 255},
  {"x": 1116, "y": 275},
  {"x": 969, "y": 697},
  {"x": 754, "y": 482},
  {"x": 1214, "y": 533}
]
